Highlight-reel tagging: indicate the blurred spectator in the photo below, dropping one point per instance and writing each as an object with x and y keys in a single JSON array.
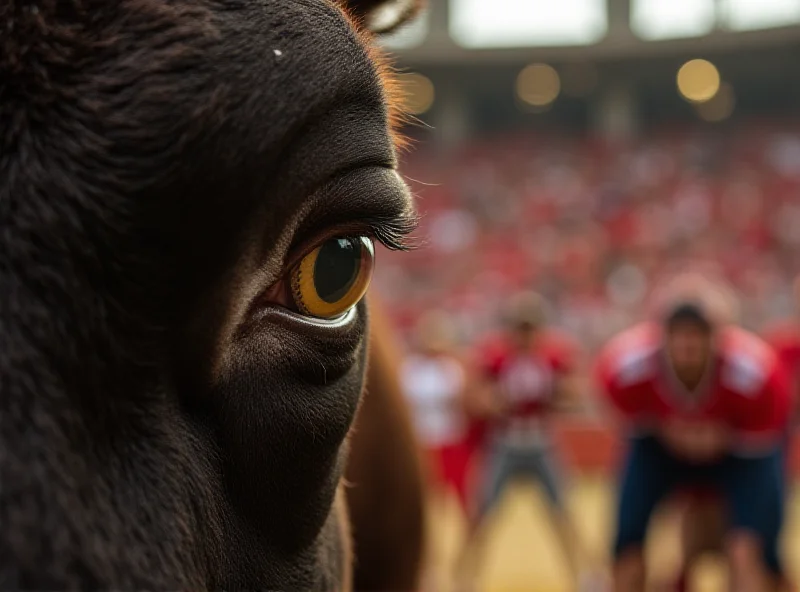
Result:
[{"x": 434, "y": 382}]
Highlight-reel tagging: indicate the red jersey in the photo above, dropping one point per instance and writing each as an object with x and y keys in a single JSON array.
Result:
[
  {"x": 527, "y": 381},
  {"x": 746, "y": 390},
  {"x": 785, "y": 340}
]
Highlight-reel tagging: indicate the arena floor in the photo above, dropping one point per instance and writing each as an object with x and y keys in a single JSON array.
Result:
[{"x": 521, "y": 556}]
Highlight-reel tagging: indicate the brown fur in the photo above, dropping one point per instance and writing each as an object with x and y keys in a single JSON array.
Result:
[
  {"x": 385, "y": 474},
  {"x": 346, "y": 536}
]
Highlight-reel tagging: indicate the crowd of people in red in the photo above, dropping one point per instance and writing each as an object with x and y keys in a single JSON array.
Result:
[{"x": 593, "y": 225}]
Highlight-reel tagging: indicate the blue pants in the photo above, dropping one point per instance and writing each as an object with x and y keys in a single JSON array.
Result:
[{"x": 753, "y": 489}]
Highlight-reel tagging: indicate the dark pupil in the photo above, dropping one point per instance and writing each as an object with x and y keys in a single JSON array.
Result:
[{"x": 336, "y": 268}]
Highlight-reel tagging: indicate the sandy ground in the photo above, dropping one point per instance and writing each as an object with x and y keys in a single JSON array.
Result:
[{"x": 522, "y": 555}]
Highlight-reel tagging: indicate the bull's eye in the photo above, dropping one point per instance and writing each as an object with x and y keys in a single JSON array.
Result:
[{"x": 332, "y": 278}]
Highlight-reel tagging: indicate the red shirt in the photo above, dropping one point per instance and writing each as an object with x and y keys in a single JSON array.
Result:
[
  {"x": 746, "y": 390},
  {"x": 527, "y": 380},
  {"x": 785, "y": 340}
]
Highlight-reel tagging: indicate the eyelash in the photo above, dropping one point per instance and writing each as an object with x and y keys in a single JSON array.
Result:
[{"x": 395, "y": 233}]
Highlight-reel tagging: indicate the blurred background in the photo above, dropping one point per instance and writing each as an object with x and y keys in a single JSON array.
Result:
[{"x": 586, "y": 149}]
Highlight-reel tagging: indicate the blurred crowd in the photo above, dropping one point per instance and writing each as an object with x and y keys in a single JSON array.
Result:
[{"x": 592, "y": 225}]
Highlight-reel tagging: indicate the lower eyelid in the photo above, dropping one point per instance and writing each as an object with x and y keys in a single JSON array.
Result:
[{"x": 339, "y": 321}]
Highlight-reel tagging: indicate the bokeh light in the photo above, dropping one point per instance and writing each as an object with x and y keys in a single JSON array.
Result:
[
  {"x": 418, "y": 93},
  {"x": 720, "y": 107},
  {"x": 538, "y": 85},
  {"x": 698, "y": 81}
]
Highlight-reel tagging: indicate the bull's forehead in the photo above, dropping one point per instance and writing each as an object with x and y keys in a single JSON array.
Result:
[
  {"x": 157, "y": 103},
  {"x": 295, "y": 60},
  {"x": 145, "y": 81},
  {"x": 302, "y": 88}
]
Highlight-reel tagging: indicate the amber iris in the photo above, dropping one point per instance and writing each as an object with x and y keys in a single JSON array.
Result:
[{"x": 332, "y": 278}]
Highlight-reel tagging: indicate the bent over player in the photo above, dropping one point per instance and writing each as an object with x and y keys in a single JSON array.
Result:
[{"x": 707, "y": 405}]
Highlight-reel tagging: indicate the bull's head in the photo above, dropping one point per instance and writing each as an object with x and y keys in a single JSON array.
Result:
[{"x": 188, "y": 191}]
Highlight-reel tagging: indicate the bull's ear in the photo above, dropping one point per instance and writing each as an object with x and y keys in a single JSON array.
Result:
[{"x": 382, "y": 16}]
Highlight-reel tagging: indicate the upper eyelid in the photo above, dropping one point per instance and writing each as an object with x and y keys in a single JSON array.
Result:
[{"x": 389, "y": 218}]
